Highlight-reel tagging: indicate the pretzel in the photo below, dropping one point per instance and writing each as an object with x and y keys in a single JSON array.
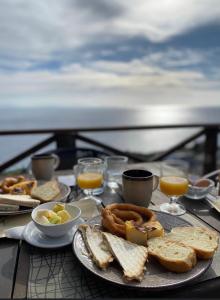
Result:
[
  {"x": 8, "y": 182},
  {"x": 115, "y": 215}
]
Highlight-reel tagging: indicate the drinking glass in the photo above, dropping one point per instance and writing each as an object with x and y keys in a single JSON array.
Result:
[
  {"x": 173, "y": 183},
  {"x": 89, "y": 176},
  {"x": 115, "y": 165}
]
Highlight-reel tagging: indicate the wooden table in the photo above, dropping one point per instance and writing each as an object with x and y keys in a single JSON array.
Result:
[{"x": 26, "y": 271}]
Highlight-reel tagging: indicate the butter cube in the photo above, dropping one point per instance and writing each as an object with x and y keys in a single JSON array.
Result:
[
  {"x": 55, "y": 220},
  {"x": 58, "y": 207},
  {"x": 65, "y": 216}
]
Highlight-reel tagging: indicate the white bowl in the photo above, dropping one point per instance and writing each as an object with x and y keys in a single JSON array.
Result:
[{"x": 56, "y": 230}]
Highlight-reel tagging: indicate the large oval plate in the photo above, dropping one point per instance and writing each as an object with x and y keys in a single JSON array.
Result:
[
  {"x": 156, "y": 277},
  {"x": 64, "y": 192}
]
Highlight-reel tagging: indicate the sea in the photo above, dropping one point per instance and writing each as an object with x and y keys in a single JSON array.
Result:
[{"x": 138, "y": 141}]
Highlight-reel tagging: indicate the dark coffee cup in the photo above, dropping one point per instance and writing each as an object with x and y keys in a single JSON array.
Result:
[{"x": 138, "y": 185}]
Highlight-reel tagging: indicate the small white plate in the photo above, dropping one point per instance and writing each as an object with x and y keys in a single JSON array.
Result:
[{"x": 36, "y": 238}]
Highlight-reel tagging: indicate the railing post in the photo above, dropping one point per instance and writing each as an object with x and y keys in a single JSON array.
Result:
[
  {"x": 210, "y": 149},
  {"x": 65, "y": 140}
]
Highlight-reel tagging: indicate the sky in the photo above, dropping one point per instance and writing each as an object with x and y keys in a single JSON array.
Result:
[{"x": 109, "y": 53}]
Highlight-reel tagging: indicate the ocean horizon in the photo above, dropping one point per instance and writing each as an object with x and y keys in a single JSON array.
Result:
[{"x": 142, "y": 141}]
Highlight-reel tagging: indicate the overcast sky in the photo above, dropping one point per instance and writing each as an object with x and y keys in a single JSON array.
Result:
[{"x": 110, "y": 53}]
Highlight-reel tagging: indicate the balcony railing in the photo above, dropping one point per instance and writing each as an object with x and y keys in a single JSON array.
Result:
[{"x": 67, "y": 137}]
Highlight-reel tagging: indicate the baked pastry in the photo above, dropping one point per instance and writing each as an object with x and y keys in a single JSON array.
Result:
[
  {"x": 202, "y": 240},
  {"x": 8, "y": 182},
  {"x": 115, "y": 215},
  {"x": 174, "y": 256},
  {"x": 23, "y": 187},
  {"x": 46, "y": 192}
]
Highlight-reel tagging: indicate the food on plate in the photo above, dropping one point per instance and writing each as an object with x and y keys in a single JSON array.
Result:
[
  {"x": 115, "y": 215},
  {"x": 136, "y": 233},
  {"x": 46, "y": 192},
  {"x": 8, "y": 182},
  {"x": 9, "y": 207},
  {"x": 155, "y": 229},
  {"x": 174, "y": 256},
  {"x": 21, "y": 200},
  {"x": 53, "y": 216},
  {"x": 130, "y": 256},
  {"x": 97, "y": 249},
  {"x": 24, "y": 187},
  {"x": 140, "y": 233},
  {"x": 58, "y": 207},
  {"x": 202, "y": 240},
  {"x": 177, "y": 256}
]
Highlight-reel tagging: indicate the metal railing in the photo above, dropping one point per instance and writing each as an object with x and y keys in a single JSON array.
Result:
[{"x": 67, "y": 137}]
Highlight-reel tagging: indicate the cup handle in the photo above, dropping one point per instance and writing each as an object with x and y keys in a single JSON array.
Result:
[
  {"x": 155, "y": 182},
  {"x": 57, "y": 161}
]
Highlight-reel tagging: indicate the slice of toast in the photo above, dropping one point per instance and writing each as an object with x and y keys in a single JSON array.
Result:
[
  {"x": 202, "y": 240},
  {"x": 46, "y": 192},
  {"x": 21, "y": 200},
  {"x": 94, "y": 243},
  {"x": 174, "y": 256},
  {"x": 130, "y": 256}
]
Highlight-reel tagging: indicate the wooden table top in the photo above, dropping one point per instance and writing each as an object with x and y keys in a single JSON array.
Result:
[{"x": 30, "y": 272}]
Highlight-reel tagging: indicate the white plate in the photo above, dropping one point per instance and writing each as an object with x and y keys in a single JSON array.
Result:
[
  {"x": 36, "y": 238},
  {"x": 157, "y": 277}
]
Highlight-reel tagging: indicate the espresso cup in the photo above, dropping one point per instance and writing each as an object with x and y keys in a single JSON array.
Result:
[
  {"x": 138, "y": 185},
  {"x": 43, "y": 166}
]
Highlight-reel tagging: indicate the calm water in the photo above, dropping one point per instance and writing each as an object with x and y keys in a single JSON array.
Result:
[{"x": 136, "y": 141}]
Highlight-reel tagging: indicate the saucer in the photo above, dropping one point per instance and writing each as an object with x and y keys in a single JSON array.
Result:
[{"x": 36, "y": 238}]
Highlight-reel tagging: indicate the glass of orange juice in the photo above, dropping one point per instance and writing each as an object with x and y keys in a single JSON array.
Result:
[
  {"x": 173, "y": 183},
  {"x": 89, "y": 176}
]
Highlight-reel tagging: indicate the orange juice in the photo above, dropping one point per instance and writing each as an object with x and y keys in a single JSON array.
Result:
[
  {"x": 89, "y": 180},
  {"x": 173, "y": 185}
]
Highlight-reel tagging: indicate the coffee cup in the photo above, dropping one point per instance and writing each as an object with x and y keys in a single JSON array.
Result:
[
  {"x": 138, "y": 185},
  {"x": 43, "y": 166}
]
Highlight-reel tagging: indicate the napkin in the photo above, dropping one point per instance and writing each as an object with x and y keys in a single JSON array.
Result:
[
  {"x": 15, "y": 232},
  {"x": 89, "y": 208}
]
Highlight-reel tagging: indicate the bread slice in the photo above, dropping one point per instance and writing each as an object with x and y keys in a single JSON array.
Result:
[
  {"x": 174, "y": 256},
  {"x": 8, "y": 207},
  {"x": 130, "y": 256},
  {"x": 202, "y": 240},
  {"x": 46, "y": 192},
  {"x": 21, "y": 200},
  {"x": 96, "y": 247}
]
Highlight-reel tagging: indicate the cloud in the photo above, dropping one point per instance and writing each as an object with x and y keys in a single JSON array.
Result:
[
  {"x": 79, "y": 36},
  {"x": 43, "y": 30},
  {"x": 142, "y": 81}
]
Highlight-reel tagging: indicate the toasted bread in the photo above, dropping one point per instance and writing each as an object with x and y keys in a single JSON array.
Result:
[
  {"x": 94, "y": 243},
  {"x": 174, "y": 256},
  {"x": 202, "y": 240},
  {"x": 21, "y": 200},
  {"x": 130, "y": 256},
  {"x": 46, "y": 192}
]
